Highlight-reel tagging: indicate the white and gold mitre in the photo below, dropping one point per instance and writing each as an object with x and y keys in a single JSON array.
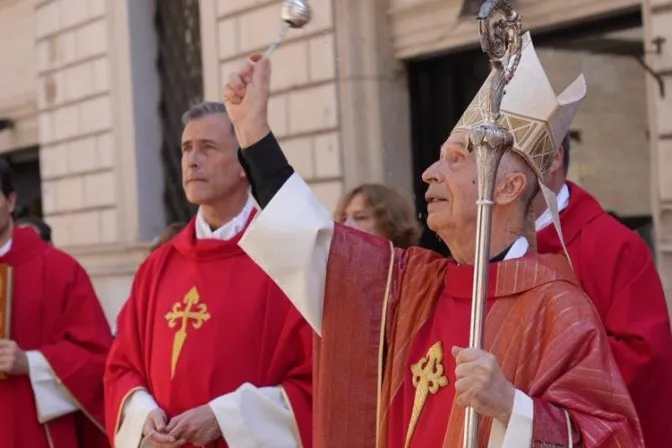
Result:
[{"x": 530, "y": 110}]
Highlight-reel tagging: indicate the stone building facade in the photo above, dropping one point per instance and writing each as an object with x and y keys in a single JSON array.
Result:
[{"x": 79, "y": 80}]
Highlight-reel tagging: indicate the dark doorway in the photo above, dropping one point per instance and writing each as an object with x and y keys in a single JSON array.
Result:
[
  {"x": 181, "y": 73},
  {"x": 25, "y": 164},
  {"x": 441, "y": 89}
]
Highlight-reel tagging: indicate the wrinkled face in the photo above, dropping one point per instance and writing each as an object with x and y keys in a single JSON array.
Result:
[
  {"x": 452, "y": 191},
  {"x": 359, "y": 214},
  {"x": 7, "y": 205},
  {"x": 210, "y": 167}
]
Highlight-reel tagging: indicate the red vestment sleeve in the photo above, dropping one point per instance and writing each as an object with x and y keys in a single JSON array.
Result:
[
  {"x": 295, "y": 347},
  {"x": 124, "y": 372},
  {"x": 586, "y": 384},
  {"x": 80, "y": 339},
  {"x": 639, "y": 329}
]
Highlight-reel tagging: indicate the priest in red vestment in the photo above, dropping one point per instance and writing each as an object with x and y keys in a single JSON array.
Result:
[
  {"x": 615, "y": 267},
  {"x": 391, "y": 370},
  {"x": 209, "y": 351},
  {"x": 54, "y": 358}
]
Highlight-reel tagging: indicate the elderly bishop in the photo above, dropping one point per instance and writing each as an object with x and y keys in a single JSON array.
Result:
[
  {"x": 209, "y": 351},
  {"x": 391, "y": 370}
]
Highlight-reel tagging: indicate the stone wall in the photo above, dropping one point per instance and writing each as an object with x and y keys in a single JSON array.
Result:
[{"x": 304, "y": 109}]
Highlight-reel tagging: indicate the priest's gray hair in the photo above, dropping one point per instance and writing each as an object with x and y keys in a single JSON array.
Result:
[
  {"x": 513, "y": 163},
  {"x": 203, "y": 109}
]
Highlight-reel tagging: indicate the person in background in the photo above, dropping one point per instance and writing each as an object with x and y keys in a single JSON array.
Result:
[
  {"x": 380, "y": 210},
  {"x": 36, "y": 224},
  {"x": 168, "y": 233},
  {"x": 209, "y": 351},
  {"x": 54, "y": 357},
  {"x": 614, "y": 266}
]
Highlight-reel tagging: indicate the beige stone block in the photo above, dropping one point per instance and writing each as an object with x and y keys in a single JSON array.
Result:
[
  {"x": 91, "y": 39},
  {"x": 323, "y": 17},
  {"x": 73, "y": 12},
  {"x": 290, "y": 66},
  {"x": 226, "y": 7},
  {"x": 46, "y": 19},
  {"x": 97, "y": 8},
  {"x": 660, "y": 27},
  {"x": 42, "y": 55},
  {"x": 66, "y": 49},
  {"x": 327, "y": 150},
  {"x": 99, "y": 189},
  {"x": 66, "y": 122},
  {"x": 277, "y": 114},
  {"x": 85, "y": 228},
  {"x": 49, "y": 204},
  {"x": 299, "y": 153},
  {"x": 109, "y": 226},
  {"x": 105, "y": 150},
  {"x": 82, "y": 155},
  {"x": 46, "y": 124},
  {"x": 53, "y": 161},
  {"x": 664, "y": 166},
  {"x": 322, "y": 58},
  {"x": 78, "y": 81},
  {"x": 96, "y": 114},
  {"x": 51, "y": 89},
  {"x": 61, "y": 230},
  {"x": 258, "y": 28},
  {"x": 100, "y": 75},
  {"x": 328, "y": 193},
  {"x": 664, "y": 109},
  {"x": 227, "y": 38},
  {"x": 70, "y": 193},
  {"x": 313, "y": 109}
]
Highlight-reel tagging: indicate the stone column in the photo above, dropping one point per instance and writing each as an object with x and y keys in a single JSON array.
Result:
[
  {"x": 657, "y": 15},
  {"x": 373, "y": 93},
  {"x": 100, "y": 135}
]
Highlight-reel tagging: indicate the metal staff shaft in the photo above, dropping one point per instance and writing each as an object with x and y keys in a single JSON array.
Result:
[
  {"x": 487, "y": 161},
  {"x": 500, "y": 40}
]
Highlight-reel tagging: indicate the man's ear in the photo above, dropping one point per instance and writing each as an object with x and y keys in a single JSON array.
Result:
[
  {"x": 12, "y": 202},
  {"x": 509, "y": 188},
  {"x": 557, "y": 161}
]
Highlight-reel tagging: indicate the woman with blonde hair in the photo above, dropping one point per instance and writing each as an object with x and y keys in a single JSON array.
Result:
[{"x": 382, "y": 211}]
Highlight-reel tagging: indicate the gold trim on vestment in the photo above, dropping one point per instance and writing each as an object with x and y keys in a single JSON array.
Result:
[
  {"x": 569, "y": 430},
  {"x": 381, "y": 345},
  {"x": 6, "y": 324},
  {"x": 50, "y": 441},
  {"x": 117, "y": 422},
  {"x": 296, "y": 430},
  {"x": 74, "y": 400}
]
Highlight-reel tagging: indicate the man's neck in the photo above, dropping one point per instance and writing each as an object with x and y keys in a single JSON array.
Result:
[
  {"x": 464, "y": 252},
  {"x": 6, "y": 233},
  {"x": 217, "y": 215}
]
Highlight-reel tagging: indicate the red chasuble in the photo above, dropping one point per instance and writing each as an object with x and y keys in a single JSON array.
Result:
[
  {"x": 406, "y": 312},
  {"x": 615, "y": 268},
  {"x": 54, "y": 310},
  {"x": 202, "y": 320}
]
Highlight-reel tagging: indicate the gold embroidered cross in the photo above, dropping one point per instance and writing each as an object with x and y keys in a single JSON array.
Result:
[
  {"x": 427, "y": 377},
  {"x": 193, "y": 311}
]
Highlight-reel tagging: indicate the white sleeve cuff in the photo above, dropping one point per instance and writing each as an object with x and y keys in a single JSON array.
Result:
[
  {"x": 290, "y": 240},
  {"x": 518, "y": 434},
  {"x": 133, "y": 416},
  {"x": 51, "y": 399},
  {"x": 252, "y": 417}
]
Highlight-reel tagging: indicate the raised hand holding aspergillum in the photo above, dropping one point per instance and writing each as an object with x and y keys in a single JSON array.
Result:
[{"x": 246, "y": 97}]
